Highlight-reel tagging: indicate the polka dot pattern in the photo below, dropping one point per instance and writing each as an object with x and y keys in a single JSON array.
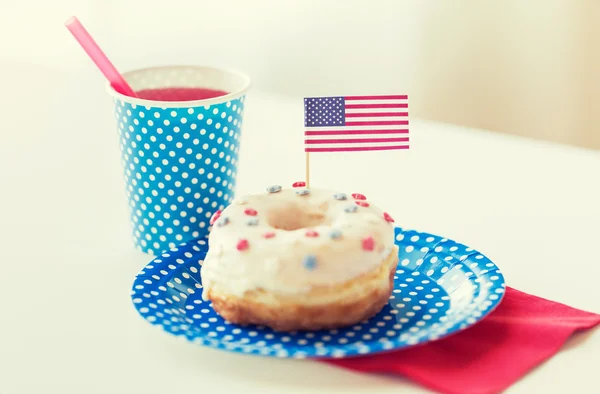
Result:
[
  {"x": 440, "y": 287},
  {"x": 180, "y": 167}
]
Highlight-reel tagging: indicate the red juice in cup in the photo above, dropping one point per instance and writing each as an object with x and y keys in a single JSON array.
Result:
[{"x": 179, "y": 94}]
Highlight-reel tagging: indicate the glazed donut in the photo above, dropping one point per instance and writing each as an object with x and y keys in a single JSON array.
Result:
[{"x": 299, "y": 259}]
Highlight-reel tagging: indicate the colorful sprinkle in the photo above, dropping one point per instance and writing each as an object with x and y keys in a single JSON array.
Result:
[
  {"x": 269, "y": 235},
  {"x": 215, "y": 216},
  {"x": 388, "y": 218},
  {"x": 299, "y": 184},
  {"x": 358, "y": 196},
  {"x": 302, "y": 192},
  {"x": 340, "y": 196},
  {"x": 223, "y": 221},
  {"x": 310, "y": 262},
  {"x": 252, "y": 222},
  {"x": 274, "y": 189},
  {"x": 243, "y": 244},
  {"x": 250, "y": 212},
  {"x": 362, "y": 203},
  {"x": 368, "y": 244},
  {"x": 335, "y": 234},
  {"x": 351, "y": 209},
  {"x": 312, "y": 233}
]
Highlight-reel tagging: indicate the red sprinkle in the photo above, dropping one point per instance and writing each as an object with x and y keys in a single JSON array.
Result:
[
  {"x": 388, "y": 218},
  {"x": 368, "y": 243},
  {"x": 268, "y": 235},
  {"x": 358, "y": 196},
  {"x": 242, "y": 245},
  {"x": 215, "y": 216},
  {"x": 299, "y": 184},
  {"x": 362, "y": 203},
  {"x": 312, "y": 233},
  {"x": 250, "y": 212}
]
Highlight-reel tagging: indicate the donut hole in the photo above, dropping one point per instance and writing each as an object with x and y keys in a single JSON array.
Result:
[{"x": 294, "y": 217}]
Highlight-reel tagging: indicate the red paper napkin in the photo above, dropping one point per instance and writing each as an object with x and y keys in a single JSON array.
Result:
[{"x": 521, "y": 333}]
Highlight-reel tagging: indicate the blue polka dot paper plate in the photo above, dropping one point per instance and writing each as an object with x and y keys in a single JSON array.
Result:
[{"x": 441, "y": 287}]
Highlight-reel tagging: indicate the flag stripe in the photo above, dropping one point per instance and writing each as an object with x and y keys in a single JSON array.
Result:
[
  {"x": 389, "y": 97},
  {"x": 355, "y": 145},
  {"x": 360, "y": 106},
  {"x": 373, "y": 102},
  {"x": 379, "y": 123},
  {"x": 356, "y": 140},
  {"x": 373, "y": 110},
  {"x": 356, "y": 149},
  {"x": 356, "y": 132},
  {"x": 385, "y": 127},
  {"x": 365, "y": 114}
]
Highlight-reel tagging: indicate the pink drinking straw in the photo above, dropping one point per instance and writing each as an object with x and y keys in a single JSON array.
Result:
[{"x": 95, "y": 53}]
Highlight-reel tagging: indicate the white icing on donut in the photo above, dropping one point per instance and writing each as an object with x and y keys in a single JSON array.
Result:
[
  {"x": 277, "y": 264},
  {"x": 240, "y": 200}
]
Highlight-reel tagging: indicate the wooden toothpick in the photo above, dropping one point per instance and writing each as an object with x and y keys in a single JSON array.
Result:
[{"x": 307, "y": 170}]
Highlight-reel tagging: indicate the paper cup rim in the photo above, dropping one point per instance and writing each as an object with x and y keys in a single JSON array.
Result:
[{"x": 183, "y": 104}]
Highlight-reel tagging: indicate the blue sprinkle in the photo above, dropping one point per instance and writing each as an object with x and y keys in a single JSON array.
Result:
[
  {"x": 222, "y": 221},
  {"x": 335, "y": 234},
  {"x": 252, "y": 222},
  {"x": 340, "y": 196},
  {"x": 351, "y": 209},
  {"x": 302, "y": 192},
  {"x": 274, "y": 189},
  {"x": 310, "y": 262}
]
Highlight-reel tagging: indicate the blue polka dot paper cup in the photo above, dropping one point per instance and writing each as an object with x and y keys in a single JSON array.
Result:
[{"x": 179, "y": 157}]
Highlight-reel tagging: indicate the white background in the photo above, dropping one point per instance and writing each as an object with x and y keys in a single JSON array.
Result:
[
  {"x": 529, "y": 68},
  {"x": 66, "y": 322}
]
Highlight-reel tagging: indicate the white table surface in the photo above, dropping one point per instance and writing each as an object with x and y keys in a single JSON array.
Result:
[{"x": 66, "y": 321}]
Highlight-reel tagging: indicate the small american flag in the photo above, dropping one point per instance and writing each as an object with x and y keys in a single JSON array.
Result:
[{"x": 355, "y": 123}]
